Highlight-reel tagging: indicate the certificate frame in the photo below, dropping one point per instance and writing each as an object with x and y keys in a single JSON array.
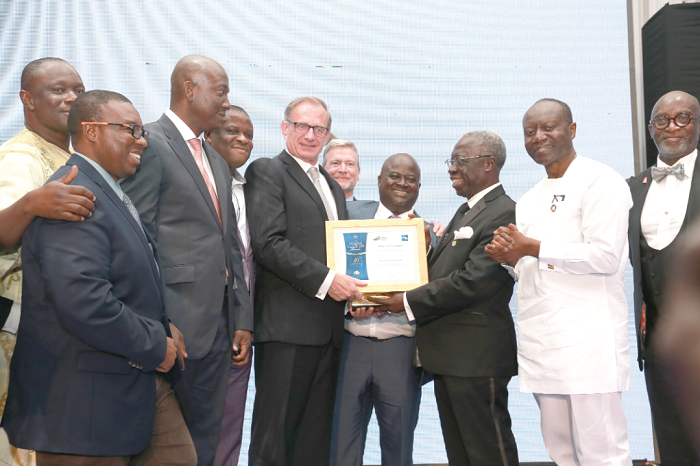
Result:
[{"x": 413, "y": 228}]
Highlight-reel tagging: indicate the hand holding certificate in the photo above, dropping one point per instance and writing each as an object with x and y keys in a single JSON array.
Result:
[{"x": 390, "y": 255}]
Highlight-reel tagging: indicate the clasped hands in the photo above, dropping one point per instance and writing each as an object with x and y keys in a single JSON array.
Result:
[{"x": 509, "y": 245}]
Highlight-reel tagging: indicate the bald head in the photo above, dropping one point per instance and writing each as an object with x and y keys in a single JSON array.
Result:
[
  {"x": 399, "y": 183},
  {"x": 199, "y": 93},
  {"x": 673, "y": 141}
]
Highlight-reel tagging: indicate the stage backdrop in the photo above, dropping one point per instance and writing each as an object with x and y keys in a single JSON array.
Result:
[{"x": 398, "y": 75}]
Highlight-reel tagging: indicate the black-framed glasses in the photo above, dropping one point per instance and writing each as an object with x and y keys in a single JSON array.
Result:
[
  {"x": 681, "y": 120},
  {"x": 303, "y": 128},
  {"x": 136, "y": 131},
  {"x": 461, "y": 161}
]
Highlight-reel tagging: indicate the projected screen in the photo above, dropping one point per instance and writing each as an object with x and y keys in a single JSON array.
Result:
[{"x": 399, "y": 76}]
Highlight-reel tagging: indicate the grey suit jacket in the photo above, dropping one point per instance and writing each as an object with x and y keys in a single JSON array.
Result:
[{"x": 194, "y": 249}]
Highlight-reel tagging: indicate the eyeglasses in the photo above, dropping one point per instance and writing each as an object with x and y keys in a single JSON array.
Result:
[
  {"x": 303, "y": 128},
  {"x": 136, "y": 131},
  {"x": 461, "y": 161},
  {"x": 681, "y": 120}
]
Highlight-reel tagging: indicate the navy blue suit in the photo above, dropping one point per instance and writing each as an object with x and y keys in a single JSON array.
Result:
[{"x": 92, "y": 332}]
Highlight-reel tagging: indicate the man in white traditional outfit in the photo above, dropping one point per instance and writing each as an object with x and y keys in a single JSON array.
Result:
[{"x": 569, "y": 252}]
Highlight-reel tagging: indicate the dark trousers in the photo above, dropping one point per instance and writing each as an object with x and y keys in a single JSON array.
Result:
[
  {"x": 206, "y": 379},
  {"x": 293, "y": 411},
  {"x": 171, "y": 444},
  {"x": 475, "y": 422},
  {"x": 377, "y": 374},
  {"x": 675, "y": 446}
]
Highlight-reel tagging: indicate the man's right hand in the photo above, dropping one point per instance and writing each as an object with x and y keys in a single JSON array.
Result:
[
  {"x": 170, "y": 356},
  {"x": 345, "y": 287},
  {"x": 60, "y": 201}
]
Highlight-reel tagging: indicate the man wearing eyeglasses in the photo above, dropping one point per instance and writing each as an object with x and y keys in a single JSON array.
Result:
[
  {"x": 666, "y": 201},
  {"x": 465, "y": 334},
  {"x": 299, "y": 301},
  {"x": 92, "y": 374},
  {"x": 182, "y": 190}
]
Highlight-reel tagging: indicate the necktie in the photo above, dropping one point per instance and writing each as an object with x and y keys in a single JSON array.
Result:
[
  {"x": 458, "y": 216},
  {"x": 132, "y": 210},
  {"x": 197, "y": 146},
  {"x": 313, "y": 171},
  {"x": 659, "y": 173},
  {"x": 394, "y": 216}
]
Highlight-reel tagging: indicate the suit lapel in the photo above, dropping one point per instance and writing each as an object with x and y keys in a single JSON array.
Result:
[
  {"x": 222, "y": 180},
  {"x": 182, "y": 149},
  {"x": 639, "y": 190},
  {"x": 694, "y": 198},
  {"x": 89, "y": 171},
  {"x": 302, "y": 178}
]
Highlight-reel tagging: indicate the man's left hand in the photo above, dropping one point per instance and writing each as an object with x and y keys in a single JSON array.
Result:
[
  {"x": 393, "y": 304},
  {"x": 179, "y": 344},
  {"x": 438, "y": 229},
  {"x": 242, "y": 342}
]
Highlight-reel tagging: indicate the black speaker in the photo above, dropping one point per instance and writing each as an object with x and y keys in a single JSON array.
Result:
[{"x": 671, "y": 54}]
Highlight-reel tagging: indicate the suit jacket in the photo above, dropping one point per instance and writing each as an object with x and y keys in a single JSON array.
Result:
[
  {"x": 465, "y": 327},
  {"x": 92, "y": 332},
  {"x": 194, "y": 249},
  {"x": 286, "y": 218},
  {"x": 639, "y": 189}
]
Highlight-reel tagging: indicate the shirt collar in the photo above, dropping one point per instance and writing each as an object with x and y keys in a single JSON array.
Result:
[
  {"x": 477, "y": 197},
  {"x": 304, "y": 164},
  {"x": 181, "y": 126},
  {"x": 383, "y": 212},
  {"x": 108, "y": 178},
  {"x": 688, "y": 162}
]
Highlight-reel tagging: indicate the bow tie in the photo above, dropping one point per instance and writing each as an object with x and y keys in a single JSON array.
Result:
[{"x": 659, "y": 173}]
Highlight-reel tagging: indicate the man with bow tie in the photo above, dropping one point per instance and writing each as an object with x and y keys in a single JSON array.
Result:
[
  {"x": 465, "y": 334},
  {"x": 666, "y": 200}
]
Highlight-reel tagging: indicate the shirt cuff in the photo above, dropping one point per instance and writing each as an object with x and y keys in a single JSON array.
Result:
[
  {"x": 511, "y": 272},
  {"x": 407, "y": 308},
  {"x": 326, "y": 285}
]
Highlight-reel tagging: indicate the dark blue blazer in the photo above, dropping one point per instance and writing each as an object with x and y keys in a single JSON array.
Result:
[{"x": 92, "y": 332}]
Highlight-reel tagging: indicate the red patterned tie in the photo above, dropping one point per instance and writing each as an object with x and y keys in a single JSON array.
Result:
[{"x": 197, "y": 146}]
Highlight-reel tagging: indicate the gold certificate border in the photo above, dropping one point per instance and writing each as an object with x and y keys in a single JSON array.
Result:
[{"x": 377, "y": 226}]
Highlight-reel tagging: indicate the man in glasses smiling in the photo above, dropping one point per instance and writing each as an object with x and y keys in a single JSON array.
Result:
[
  {"x": 299, "y": 301},
  {"x": 666, "y": 201}
]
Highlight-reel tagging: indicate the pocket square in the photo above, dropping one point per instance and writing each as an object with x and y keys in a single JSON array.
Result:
[{"x": 464, "y": 233}]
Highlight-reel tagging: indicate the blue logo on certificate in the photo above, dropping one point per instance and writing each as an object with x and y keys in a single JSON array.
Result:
[
  {"x": 404, "y": 237},
  {"x": 355, "y": 251}
]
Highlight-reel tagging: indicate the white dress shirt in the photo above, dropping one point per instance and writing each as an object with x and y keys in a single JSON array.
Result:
[
  {"x": 238, "y": 198},
  {"x": 666, "y": 203},
  {"x": 572, "y": 309},
  {"x": 392, "y": 324},
  {"x": 325, "y": 286},
  {"x": 188, "y": 134}
]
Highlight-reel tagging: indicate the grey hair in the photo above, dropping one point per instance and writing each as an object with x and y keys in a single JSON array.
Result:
[
  {"x": 312, "y": 100},
  {"x": 493, "y": 144}
]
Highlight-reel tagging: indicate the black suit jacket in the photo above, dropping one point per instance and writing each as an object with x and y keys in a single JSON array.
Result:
[
  {"x": 93, "y": 330},
  {"x": 194, "y": 248},
  {"x": 465, "y": 327},
  {"x": 639, "y": 187},
  {"x": 286, "y": 218}
]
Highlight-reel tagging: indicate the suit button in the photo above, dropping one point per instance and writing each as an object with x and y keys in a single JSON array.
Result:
[
  {"x": 653, "y": 275},
  {"x": 223, "y": 271}
]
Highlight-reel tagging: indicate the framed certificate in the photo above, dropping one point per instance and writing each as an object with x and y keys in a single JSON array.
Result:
[{"x": 389, "y": 254}]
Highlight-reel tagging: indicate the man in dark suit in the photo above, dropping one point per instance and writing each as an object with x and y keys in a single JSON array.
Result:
[
  {"x": 182, "y": 191},
  {"x": 377, "y": 361},
  {"x": 666, "y": 200},
  {"x": 83, "y": 388},
  {"x": 299, "y": 301},
  {"x": 465, "y": 334}
]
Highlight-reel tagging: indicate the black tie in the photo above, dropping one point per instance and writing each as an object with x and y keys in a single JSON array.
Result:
[{"x": 458, "y": 216}]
